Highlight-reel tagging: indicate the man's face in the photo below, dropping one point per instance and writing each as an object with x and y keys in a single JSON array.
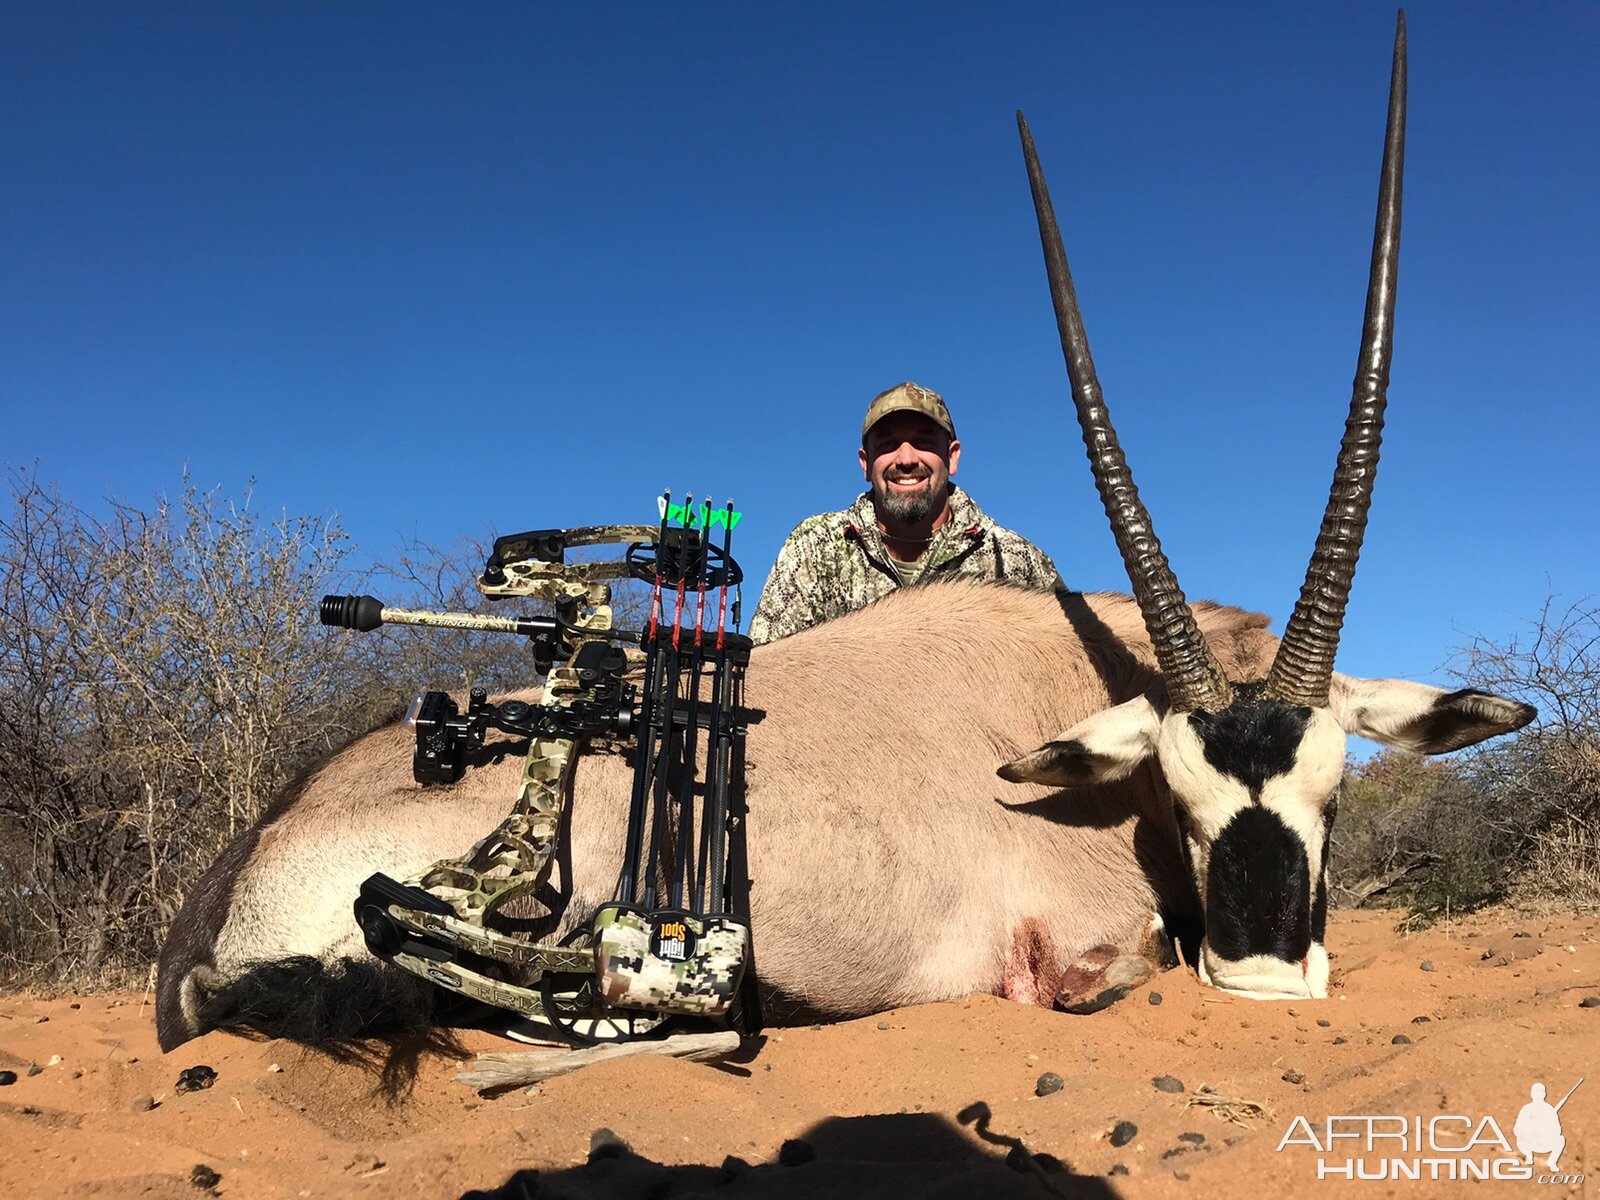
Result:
[{"x": 908, "y": 460}]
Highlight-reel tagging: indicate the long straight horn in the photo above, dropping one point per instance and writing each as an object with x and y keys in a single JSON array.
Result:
[
  {"x": 1193, "y": 678},
  {"x": 1303, "y": 668}
]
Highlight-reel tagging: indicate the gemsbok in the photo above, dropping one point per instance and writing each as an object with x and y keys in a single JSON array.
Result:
[{"x": 1195, "y": 776}]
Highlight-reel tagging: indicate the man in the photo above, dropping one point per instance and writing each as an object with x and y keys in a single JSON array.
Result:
[{"x": 912, "y": 525}]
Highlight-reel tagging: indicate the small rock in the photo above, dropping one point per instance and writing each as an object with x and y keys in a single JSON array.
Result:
[
  {"x": 1521, "y": 933},
  {"x": 883, "y": 1024},
  {"x": 1420, "y": 1020},
  {"x": 1589, "y": 1002},
  {"x": 1427, "y": 964},
  {"x": 41, "y": 1019},
  {"x": 1293, "y": 1076},
  {"x": 1123, "y": 1132},
  {"x": 1193, "y": 1138},
  {"x": 1048, "y": 1084},
  {"x": 7, "y": 1078},
  {"x": 1117, "y": 1169},
  {"x": 203, "y": 1176},
  {"x": 33, "y": 1069},
  {"x": 1324, "y": 1022},
  {"x": 195, "y": 1079},
  {"x": 143, "y": 1104},
  {"x": 1181, "y": 1176},
  {"x": 55, "y": 1061},
  {"x": 1340, "y": 1040},
  {"x": 1155, "y": 999},
  {"x": 1169, "y": 1084},
  {"x": 1400, "y": 1039},
  {"x": 1177, "y": 1151},
  {"x": 77, "y": 1073},
  {"x": 274, "y": 1068},
  {"x": 796, "y": 1153},
  {"x": 1292, "y": 1012},
  {"x": 116, "y": 1004},
  {"x": 604, "y": 1143},
  {"x": 74, "y": 1005}
]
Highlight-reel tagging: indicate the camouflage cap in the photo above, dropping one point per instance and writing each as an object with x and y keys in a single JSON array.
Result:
[{"x": 908, "y": 397}]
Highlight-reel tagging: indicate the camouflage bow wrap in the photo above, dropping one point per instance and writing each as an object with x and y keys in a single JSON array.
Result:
[{"x": 516, "y": 857}]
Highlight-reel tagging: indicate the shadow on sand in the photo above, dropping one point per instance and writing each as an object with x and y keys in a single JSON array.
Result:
[{"x": 893, "y": 1156}]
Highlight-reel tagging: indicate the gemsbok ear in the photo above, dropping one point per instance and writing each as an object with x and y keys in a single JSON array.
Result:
[
  {"x": 1417, "y": 717},
  {"x": 1104, "y": 748}
]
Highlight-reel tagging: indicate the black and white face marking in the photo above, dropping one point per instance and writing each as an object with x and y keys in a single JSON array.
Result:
[
  {"x": 1255, "y": 785},
  {"x": 1258, "y": 893},
  {"x": 1280, "y": 764},
  {"x": 1253, "y": 739}
]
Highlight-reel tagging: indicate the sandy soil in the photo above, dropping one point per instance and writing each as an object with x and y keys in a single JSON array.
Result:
[{"x": 1490, "y": 1004}]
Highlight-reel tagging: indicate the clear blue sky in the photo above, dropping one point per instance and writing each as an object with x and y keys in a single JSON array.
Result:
[{"x": 441, "y": 268}]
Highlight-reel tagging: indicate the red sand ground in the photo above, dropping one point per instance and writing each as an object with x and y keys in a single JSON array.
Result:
[{"x": 876, "y": 1099}]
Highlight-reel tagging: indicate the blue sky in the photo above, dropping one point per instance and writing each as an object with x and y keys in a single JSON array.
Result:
[{"x": 446, "y": 268}]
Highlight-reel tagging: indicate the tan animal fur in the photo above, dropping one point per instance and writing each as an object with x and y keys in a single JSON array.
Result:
[{"x": 889, "y": 865}]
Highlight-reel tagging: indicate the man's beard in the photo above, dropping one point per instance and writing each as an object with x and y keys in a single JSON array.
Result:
[{"x": 909, "y": 508}]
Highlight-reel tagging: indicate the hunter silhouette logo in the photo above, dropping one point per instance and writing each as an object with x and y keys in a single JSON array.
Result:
[
  {"x": 1455, "y": 1146},
  {"x": 1538, "y": 1127}
]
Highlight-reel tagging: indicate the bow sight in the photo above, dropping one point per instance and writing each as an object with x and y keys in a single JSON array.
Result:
[{"x": 670, "y": 941}]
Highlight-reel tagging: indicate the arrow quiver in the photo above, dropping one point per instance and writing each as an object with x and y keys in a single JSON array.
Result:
[{"x": 670, "y": 941}]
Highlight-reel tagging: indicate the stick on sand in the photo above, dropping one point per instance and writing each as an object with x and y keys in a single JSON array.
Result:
[{"x": 496, "y": 1071}]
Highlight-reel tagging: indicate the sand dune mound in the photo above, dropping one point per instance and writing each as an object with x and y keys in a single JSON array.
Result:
[{"x": 1186, "y": 1096}]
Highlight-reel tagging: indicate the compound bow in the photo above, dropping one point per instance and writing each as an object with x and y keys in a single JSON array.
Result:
[{"x": 639, "y": 962}]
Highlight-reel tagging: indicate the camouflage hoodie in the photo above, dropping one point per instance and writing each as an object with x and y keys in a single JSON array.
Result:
[{"x": 836, "y": 563}]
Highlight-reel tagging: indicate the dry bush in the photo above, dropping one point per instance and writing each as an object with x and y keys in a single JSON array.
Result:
[
  {"x": 1412, "y": 831},
  {"x": 162, "y": 674},
  {"x": 159, "y": 681},
  {"x": 1563, "y": 869},
  {"x": 1545, "y": 782},
  {"x": 1518, "y": 817}
]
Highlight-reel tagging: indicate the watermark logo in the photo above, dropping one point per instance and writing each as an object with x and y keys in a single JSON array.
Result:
[
  {"x": 1392, "y": 1146},
  {"x": 677, "y": 515},
  {"x": 1538, "y": 1127}
]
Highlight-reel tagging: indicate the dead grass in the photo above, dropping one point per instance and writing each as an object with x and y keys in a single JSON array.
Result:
[
  {"x": 1563, "y": 872},
  {"x": 1233, "y": 1109}
]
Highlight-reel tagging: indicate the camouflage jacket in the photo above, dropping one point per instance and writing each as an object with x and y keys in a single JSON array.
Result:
[{"x": 836, "y": 563}]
